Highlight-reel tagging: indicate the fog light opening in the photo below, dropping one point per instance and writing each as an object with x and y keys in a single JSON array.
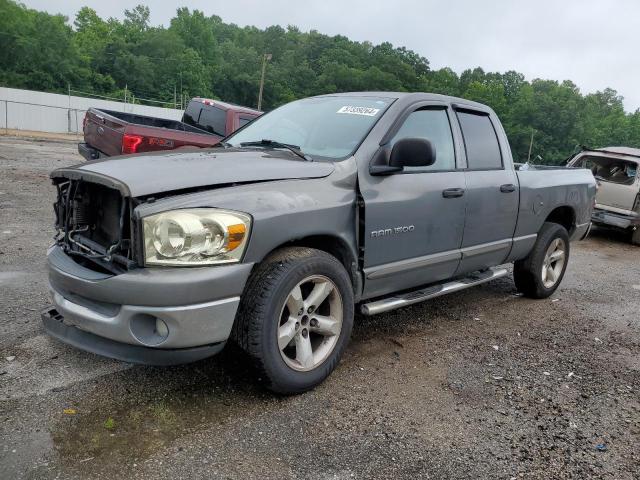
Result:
[
  {"x": 162, "y": 330},
  {"x": 149, "y": 330}
]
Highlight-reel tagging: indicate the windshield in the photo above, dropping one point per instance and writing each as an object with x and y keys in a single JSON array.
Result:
[{"x": 322, "y": 127}]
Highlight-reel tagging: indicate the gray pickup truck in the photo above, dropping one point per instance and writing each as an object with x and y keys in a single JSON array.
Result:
[{"x": 370, "y": 200}]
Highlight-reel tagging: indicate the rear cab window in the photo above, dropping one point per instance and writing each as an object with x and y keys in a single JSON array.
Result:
[
  {"x": 480, "y": 141},
  {"x": 214, "y": 120},
  {"x": 209, "y": 118},
  {"x": 192, "y": 114}
]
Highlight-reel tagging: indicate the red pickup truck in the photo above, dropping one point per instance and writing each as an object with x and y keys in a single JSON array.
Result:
[{"x": 204, "y": 123}]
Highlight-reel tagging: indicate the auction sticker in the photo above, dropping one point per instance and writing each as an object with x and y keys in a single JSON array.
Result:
[{"x": 367, "y": 111}]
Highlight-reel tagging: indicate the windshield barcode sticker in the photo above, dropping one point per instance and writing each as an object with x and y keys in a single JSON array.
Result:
[{"x": 369, "y": 112}]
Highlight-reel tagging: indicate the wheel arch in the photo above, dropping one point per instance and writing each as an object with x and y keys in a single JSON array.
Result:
[
  {"x": 334, "y": 246},
  {"x": 565, "y": 216}
]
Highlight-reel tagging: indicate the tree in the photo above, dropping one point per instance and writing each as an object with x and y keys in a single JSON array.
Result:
[{"x": 208, "y": 57}]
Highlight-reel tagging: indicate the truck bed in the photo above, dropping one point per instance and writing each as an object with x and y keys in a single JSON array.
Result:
[
  {"x": 110, "y": 133},
  {"x": 543, "y": 188},
  {"x": 147, "y": 121}
]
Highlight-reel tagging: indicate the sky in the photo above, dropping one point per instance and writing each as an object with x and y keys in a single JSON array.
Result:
[{"x": 591, "y": 42}]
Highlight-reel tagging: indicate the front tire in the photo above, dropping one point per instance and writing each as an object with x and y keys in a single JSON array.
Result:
[
  {"x": 540, "y": 273},
  {"x": 295, "y": 318},
  {"x": 635, "y": 236}
]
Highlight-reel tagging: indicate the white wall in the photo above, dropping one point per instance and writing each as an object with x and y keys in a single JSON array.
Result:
[{"x": 51, "y": 112}]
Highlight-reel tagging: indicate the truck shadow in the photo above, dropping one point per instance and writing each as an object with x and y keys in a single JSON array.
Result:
[
  {"x": 128, "y": 416},
  {"x": 610, "y": 235}
]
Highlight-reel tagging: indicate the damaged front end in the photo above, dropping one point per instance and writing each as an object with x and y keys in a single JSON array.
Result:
[{"x": 94, "y": 225}]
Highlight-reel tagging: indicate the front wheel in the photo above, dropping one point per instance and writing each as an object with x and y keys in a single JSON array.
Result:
[
  {"x": 540, "y": 273},
  {"x": 295, "y": 318}
]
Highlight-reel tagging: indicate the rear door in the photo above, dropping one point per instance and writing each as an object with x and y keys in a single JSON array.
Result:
[
  {"x": 413, "y": 220},
  {"x": 618, "y": 185},
  {"x": 491, "y": 191}
]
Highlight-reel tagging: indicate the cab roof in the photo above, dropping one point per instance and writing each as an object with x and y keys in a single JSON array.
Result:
[
  {"x": 631, "y": 152},
  {"x": 411, "y": 97},
  {"x": 226, "y": 105}
]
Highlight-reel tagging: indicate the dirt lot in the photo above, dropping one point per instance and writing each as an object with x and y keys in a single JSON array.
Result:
[{"x": 480, "y": 384}]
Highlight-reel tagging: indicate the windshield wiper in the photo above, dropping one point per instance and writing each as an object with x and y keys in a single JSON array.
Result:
[{"x": 272, "y": 143}]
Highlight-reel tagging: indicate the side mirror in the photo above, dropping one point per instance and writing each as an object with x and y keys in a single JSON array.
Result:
[{"x": 412, "y": 152}]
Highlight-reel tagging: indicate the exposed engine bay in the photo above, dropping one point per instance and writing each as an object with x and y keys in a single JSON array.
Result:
[{"x": 93, "y": 225}]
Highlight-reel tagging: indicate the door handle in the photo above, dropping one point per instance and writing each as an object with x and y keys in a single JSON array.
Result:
[
  {"x": 507, "y": 188},
  {"x": 453, "y": 192}
]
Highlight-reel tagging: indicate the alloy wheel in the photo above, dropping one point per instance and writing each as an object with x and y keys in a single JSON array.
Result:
[
  {"x": 310, "y": 323},
  {"x": 553, "y": 263}
]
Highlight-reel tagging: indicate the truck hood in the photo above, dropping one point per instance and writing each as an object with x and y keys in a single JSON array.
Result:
[{"x": 153, "y": 173}]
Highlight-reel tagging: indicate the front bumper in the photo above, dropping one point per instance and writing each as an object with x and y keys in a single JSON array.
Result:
[
  {"x": 195, "y": 307},
  {"x": 604, "y": 217},
  {"x": 56, "y": 327}
]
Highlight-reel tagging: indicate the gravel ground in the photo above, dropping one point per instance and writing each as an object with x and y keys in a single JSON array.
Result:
[{"x": 479, "y": 384}]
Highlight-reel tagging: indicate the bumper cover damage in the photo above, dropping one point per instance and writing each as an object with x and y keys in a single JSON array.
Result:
[
  {"x": 605, "y": 217},
  {"x": 151, "y": 316},
  {"x": 54, "y": 324}
]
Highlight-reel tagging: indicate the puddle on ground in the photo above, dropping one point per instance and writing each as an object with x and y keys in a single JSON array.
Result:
[
  {"x": 133, "y": 431},
  {"x": 156, "y": 407}
]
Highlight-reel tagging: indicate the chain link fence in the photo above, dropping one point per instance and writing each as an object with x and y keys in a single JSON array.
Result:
[{"x": 54, "y": 113}]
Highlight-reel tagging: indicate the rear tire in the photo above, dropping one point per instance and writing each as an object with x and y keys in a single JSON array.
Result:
[
  {"x": 540, "y": 273},
  {"x": 295, "y": 318},
  {"x": 635, "y": 236}
]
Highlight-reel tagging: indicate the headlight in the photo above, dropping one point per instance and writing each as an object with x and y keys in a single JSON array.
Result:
[{"x": 197, "y": 236}]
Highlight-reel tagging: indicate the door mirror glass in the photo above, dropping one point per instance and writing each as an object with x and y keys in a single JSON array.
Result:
[{"x": 412, "y": 152}]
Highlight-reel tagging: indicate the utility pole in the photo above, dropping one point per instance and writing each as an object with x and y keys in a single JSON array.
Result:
[
  {"x": 69, "y": 110},
  {"x": 265, "y": 57},
  {"x": 175, "y": 97},
  {"x": 530, "y": 145}
]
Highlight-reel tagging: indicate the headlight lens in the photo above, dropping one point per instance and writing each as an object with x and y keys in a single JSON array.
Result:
[{"x": 197, "y": 236}]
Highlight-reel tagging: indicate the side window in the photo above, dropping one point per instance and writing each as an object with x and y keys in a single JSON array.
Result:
[
  {"x": 480, "y": 141},
  {"x": 214, "y": 120},
  {"x": 244, "y": 120},
  {"x": 434, "y": 126}
]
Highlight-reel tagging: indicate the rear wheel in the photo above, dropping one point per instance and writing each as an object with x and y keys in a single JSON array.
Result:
[
  {"x": 540, "y": 273},
  {"x": 295, "y": 318},
  {"x": 635, "y": 236}
]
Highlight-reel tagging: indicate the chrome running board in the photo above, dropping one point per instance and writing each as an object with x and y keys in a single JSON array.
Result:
[{"x": 405, "y": 299}]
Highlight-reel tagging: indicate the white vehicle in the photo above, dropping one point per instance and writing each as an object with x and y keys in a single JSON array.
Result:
[{"x": 618, "y": 197}]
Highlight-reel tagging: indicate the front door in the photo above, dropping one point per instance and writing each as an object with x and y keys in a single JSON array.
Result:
[{"x": 414, "y": 220}]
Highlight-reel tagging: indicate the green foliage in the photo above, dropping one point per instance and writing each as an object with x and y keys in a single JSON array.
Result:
[{"x": 203, "y": 56}]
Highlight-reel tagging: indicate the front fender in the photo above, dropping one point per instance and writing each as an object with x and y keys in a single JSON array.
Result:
[{"x": 282, "y": 211}]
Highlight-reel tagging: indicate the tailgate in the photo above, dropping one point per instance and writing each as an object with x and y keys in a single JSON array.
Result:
[
  {"x": 104, "y": 132},
  {"x": 156, "y": 138}
]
